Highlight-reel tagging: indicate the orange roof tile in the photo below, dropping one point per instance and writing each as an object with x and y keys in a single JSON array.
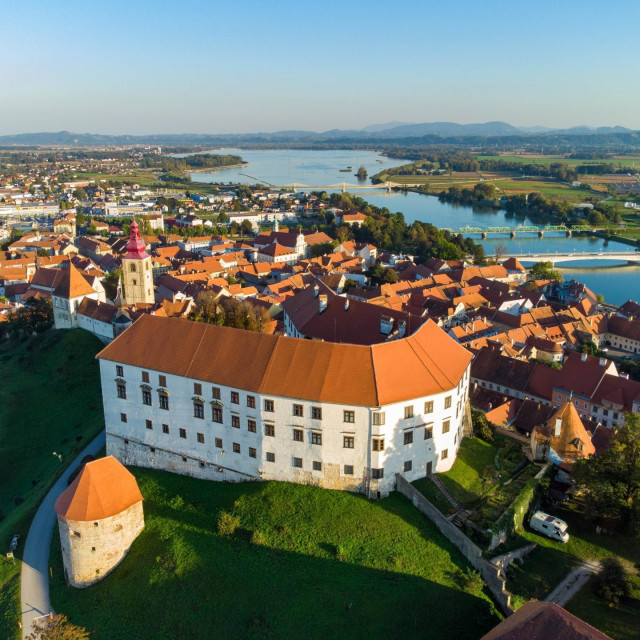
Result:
[
  {"x": 103, "y": 489},
  {"x": 72, "y": 284}
]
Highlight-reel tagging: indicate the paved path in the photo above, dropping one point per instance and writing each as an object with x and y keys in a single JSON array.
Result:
[
  {"x": 573, "y": 582},
  {"x": 34, "y": 582}
]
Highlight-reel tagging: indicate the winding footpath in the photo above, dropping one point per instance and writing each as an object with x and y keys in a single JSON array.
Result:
[{"x": 34, "y": 579}]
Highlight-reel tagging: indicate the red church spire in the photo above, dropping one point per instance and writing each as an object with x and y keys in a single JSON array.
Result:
[{"x": 135, "y": 246}]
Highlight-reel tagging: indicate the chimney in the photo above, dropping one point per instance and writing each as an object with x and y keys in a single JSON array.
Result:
[
  {"x": 473, "y": 327},
  {"x": 316, "y": 290},
  {"x": 558, "y": 428},
  {"x": 603, "y": 362},
  {"x": 583, "y": 357},
  {"x": 402, "y": 329},
  {"x": 386, "y": 324},
  {"x": 322, "y": 303},
  {"x": 346, "y": 304}
]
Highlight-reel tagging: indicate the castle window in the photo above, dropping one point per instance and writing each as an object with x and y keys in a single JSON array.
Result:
[
  {"x": 316, "y": 438},
  {"x": 235, "y": 422},
  {"x": 216, "y": 414},
  {"x": 145, "y": 376},
  {"x": 197, "y": 388},
  {"x": 219, "y": 443},
  {"x": 163, "y": 400},
  {"x": 407, "y": 465},
  {"x": 428, "y": 407},
  {"x": 428, "y": 433},
  {"x": 121, "y": 388},
  {"x": 445, "y": 454},
  {"x": 408, "y": 437},
  {"x": 298, "y": 410},
  {"x": 348, "y": 470},
  {"x": 270, "y": 457},
  {"x": 298, "y": 435},
  {"x": 378, "y": 418},
  {"x": 123, "y": 417},
  {"x": 408, "y": 412},
  {"x": 317, "y": 465},
  {"x": 251, "y": 402},
  {"x": 270, "y": 430},
  {"x": 133, "y": 267},
  {"x": 297, "y": 462},
  {"x": 377, "y": 444},
  {"x": 251, "y": 425},
  {"x": 198, "y": 409},
  {"x": 149, "y": 424},
  {"x": 316, "y": 413},
  {"x": 183, "y": 433},
  {"x": 269, "y": 406},
  {"x": 236, "y": 447},
  {"x": 215, "y": 393},
  {"x": 146, "y": 397},
  {"x": 119, "y": 370},
  {"x": 162, "y": 381},
  {"x": 348, "y": 442},
  {"x": 165, "y": 428},
  {"x": 377, "y": 474},
  {"x": 235, "y": 397},
  {"x": 253, "y": 453},
  {"x": 349, "y": 416},
  {"x": 445, "y": 426},
  {"x": 200, "y": 437}
]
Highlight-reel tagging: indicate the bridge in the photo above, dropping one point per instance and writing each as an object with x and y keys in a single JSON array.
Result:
[
  {"x": 630, "y": 257},
  {"x": 520, "y": 229},
  {"x": 343, "y": 186}
]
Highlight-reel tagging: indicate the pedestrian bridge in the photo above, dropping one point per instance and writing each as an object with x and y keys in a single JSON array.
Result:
[{"x": 631, "y": 257}]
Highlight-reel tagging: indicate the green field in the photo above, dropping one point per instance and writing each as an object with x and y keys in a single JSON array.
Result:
[
  {"x": 625, "y": 161},
  {"x": 49, "y": 401},
  {"x": 304, "y": 562}
]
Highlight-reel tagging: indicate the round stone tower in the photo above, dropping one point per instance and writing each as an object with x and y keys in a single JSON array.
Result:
[{"x": 99, "y": 517}]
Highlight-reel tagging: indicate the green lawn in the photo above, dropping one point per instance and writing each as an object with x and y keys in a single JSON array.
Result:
[
  {"x": 49, "y": 401},
  {"x": 547, "y": 565},
  {"x": 305, "y": 562}
]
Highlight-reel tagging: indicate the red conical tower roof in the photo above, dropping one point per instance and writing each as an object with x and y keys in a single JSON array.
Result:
[{"x": 135, "y": 246}]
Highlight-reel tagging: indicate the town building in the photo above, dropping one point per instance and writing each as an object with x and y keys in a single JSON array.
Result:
[
  {"x": 226, "y": 404},
  {"x": 99, "y": 516}
]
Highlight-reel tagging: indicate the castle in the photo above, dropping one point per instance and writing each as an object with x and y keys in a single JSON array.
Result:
[{"x": 227, "y": 404}]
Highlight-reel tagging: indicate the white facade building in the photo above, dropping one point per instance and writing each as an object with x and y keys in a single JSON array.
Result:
[{"x": 226, "y": 404}]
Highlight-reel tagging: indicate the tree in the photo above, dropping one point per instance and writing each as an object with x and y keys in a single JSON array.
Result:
[
  {"x": 544, "y": 271},
  {"x": 80, "y": 194},
  {"x": 390, "y": 276},
  {"x": 246, "y": 228},
  {"x": 482, "y": 428},
  {"x": 499, "y": 251},
  {"x": 612, "y": 582},
  {"x": 110, "y": 283},
  {"x": 611, "y": 481},
  {"x": 56, "y": 627}
]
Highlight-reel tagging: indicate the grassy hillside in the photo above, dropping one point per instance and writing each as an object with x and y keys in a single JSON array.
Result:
[
  {"x": 304, "y": 562},
  {"x": 49, "y": 401}
]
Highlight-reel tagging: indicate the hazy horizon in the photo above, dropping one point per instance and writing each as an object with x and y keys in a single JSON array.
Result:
[{"x": 127, "y": 68}]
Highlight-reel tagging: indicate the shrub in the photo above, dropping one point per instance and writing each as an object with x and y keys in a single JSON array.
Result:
[
  {"x": 257, "y": 538},
  {"x": 227, "y": 524},
  {"x": 482, "y": 428},
  {"x": 612, "y": 582}
]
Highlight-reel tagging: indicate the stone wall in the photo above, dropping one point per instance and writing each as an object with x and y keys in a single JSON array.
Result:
[
  {"x": 489, "y": 572},
  {"x": 90, "y": 550}
]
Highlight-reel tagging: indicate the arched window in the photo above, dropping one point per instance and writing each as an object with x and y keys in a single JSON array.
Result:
[{"x": 133, "y": 267}]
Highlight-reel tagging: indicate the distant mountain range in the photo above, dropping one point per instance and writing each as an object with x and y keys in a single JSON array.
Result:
[{"x": 426, "y": 132}]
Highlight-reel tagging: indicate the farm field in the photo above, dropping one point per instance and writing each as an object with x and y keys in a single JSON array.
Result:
[
  {"x": 44, "y": 379},
  {"x": 303, "y": 562},
  {"x": 625, "y": 161}
]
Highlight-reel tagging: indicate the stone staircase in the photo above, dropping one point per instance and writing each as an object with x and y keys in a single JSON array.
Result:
[{"x": 445, "y": 492}]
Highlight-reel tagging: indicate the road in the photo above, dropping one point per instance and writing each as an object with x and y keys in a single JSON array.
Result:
[
  {"x": 572, "y": 583},
  {"x": 34, "y": 580}
]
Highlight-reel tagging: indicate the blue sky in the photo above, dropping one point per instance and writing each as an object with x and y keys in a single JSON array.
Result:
[{"x": 210, "y": 66}]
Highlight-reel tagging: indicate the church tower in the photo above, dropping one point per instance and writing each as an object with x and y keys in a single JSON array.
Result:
[{"x": 136, "y": 270}]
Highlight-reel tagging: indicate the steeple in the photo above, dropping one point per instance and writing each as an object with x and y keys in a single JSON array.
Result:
[
  {"x": 135, "y": 246},
  {"x": 120, "y": 302}
]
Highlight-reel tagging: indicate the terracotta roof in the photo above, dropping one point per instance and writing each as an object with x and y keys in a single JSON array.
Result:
[
  {"x": 423, "y": 364},
  {"x": 537, "y": 620},
  {"x": 71, "y": 284},
  {"x": 574, "y": 441},
  {"x": 103, "y": 489},
  {"x": 96, "y": 310}
]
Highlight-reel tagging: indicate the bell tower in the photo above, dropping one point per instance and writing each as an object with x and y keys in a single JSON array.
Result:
[{"x": 136, "y": 270}]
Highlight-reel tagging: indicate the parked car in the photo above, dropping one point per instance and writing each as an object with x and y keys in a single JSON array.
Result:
[{"x": 549, "y": 526}]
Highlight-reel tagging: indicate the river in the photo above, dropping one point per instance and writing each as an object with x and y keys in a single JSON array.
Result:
[{"x": 322, "y": 168}]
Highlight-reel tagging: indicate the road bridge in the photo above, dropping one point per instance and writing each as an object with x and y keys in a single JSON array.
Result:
[
  {"x": 630, "y": 257},
  {"x": 484, "y": 232}
]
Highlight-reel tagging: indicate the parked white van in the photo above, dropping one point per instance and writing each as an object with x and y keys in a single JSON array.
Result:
[{"x": 549, "y": 526}]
